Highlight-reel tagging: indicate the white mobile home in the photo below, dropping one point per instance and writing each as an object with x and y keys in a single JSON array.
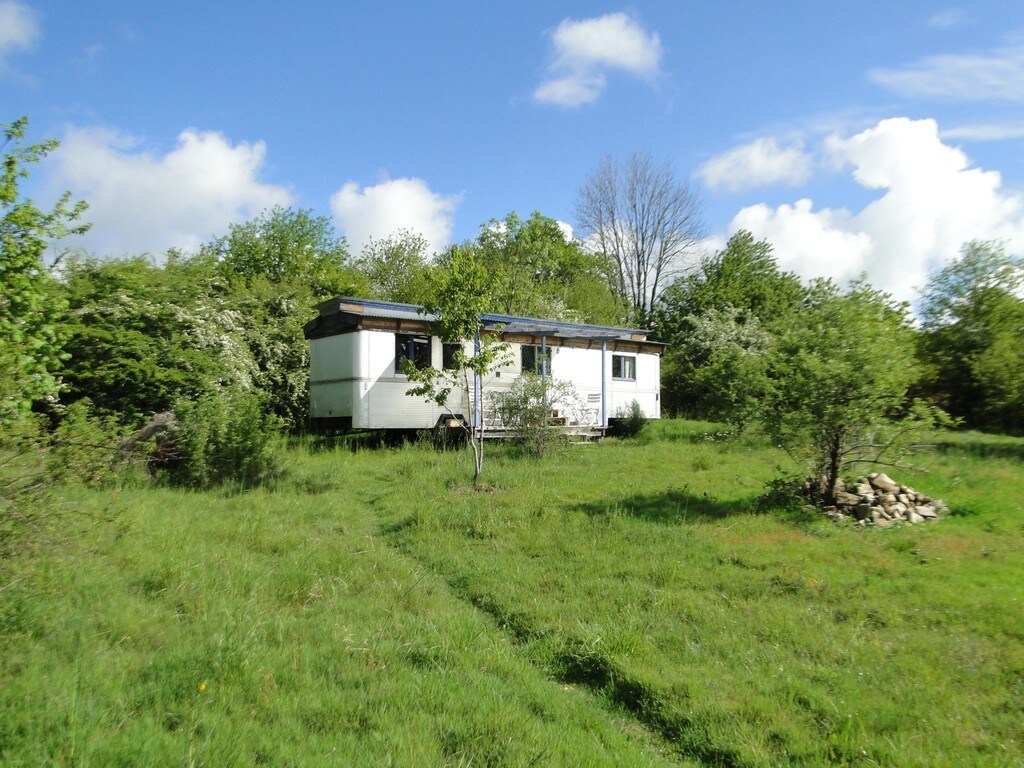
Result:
[{"x": 358, "y": 346}]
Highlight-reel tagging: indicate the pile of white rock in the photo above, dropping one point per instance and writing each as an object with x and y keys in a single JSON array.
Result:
[{"x": 877, "y": 499}]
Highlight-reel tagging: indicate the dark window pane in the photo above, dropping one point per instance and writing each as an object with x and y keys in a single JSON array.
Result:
[
  {"x": 414, "y": 348},
  {"x": 448, "y": 356},
  {"x": 529, "y": 359}
]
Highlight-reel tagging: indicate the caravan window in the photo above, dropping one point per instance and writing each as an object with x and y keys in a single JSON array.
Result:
[
  {"x": 624, "y": 367},
  {"x": 533, "y": 359},
  {"x": 448, "y": 356},
  {"x": 409, "y": 346}
]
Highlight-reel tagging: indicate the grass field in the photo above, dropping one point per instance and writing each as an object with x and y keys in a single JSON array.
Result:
[{"x": 616, "y": 604}]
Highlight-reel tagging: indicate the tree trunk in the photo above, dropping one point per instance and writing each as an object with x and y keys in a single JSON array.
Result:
[{"x": 834, "y": 466}]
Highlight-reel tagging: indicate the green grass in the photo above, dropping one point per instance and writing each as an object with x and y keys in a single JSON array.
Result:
[{"x": 617, "y": 604}]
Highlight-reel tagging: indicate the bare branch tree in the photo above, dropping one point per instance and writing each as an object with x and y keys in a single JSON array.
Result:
[{"x": 643, "y": 218}]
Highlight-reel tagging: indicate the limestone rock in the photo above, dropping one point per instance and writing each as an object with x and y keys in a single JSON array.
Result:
[
  {"x": 847, "y": 499},
  {"x": 875, "y": 499},
  {"x": 884, "y": 483},
  {"x": 862, "y": 511}
]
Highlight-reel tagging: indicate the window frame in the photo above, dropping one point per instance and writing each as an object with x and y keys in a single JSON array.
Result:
[
  {"x": 626, "y": 367},
  {"x": 537, "y": 368},
  {"x": 412, "y": 342}
]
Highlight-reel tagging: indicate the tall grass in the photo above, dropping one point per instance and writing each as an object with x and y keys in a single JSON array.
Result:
[
  {"x": 618, "y": 604},
  {"x": 271, "y": 627}
]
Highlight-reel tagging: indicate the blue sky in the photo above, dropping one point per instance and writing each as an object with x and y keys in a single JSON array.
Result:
[{"x": 869, "y": 136}]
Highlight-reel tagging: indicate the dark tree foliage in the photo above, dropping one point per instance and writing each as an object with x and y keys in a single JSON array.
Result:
[
  {"x": 744, "y": 275},
  {"x": 141, "y": 337},
  {"x": 972, "y": 340}
]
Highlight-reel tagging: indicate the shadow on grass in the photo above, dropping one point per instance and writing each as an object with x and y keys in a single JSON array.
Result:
[
  {"x": 358, "y": 441},
  {"x": 678, "y": 506},
  {"x": 697, "y": 436},
  {"x": 578, "y": 665},
  {"x": 671, "y": 507},
  {"x": 982, "y": 449},
  {"x": 575, "y": 663}
]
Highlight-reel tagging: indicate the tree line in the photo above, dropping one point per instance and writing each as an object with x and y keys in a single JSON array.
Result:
[{"x": 123, "y": 338}]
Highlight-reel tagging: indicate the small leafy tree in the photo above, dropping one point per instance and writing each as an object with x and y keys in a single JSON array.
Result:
[
  {"x": 837, "y": 382},
  {"x": 30, "y": 341},
  {"x": 462, "y": 289},
  {"x": 527, "y": 408}
]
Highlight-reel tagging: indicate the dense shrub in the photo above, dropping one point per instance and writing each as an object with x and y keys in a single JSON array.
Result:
[
  {"x": 40, "y": 452},
  {"x": 224, "y": 438},
  {"x": 83, "y": 447},
  {"x": 628, "y": 421}
]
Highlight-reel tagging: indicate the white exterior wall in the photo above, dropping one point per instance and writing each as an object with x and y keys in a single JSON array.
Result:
[
  {"x": 334, "y": 364},
  {"x": 353, "y": 375},
  {"x": 583, "y": 369},
  {"x": 646, "y": 389}
]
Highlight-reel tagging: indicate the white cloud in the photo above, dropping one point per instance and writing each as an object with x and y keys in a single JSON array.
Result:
[
  {"x": 570, "y": 91},
  {"x": 144, "y": 202},
  {"x": 985, "y": 132},
  {"x": 761, "y": 163},
  {"x": 380, "y": 210},
  {"x": 812, "y": 244},
  {"x": 932, "y": 202},
  {"x": 951, "y": 17},
  {"x": 19, "y": 29},
  {"x": 585, "y": 50},
  {"x": 997, "y": 77}
]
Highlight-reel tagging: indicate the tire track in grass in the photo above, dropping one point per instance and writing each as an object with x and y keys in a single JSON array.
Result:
[
  {"x": 517, "y": 630},
  {"x": 576, "y": 664}
]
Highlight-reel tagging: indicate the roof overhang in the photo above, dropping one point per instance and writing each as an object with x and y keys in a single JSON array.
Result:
[{"x": 345, "y": 315}]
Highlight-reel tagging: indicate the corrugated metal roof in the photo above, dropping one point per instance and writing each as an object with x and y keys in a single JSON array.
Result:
[
  {"x": 550, "y": 329},
  {"x": 373, "y": 308},
  {"x": 539, "y": 327},
  {"x": 508, "y": 323}
]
